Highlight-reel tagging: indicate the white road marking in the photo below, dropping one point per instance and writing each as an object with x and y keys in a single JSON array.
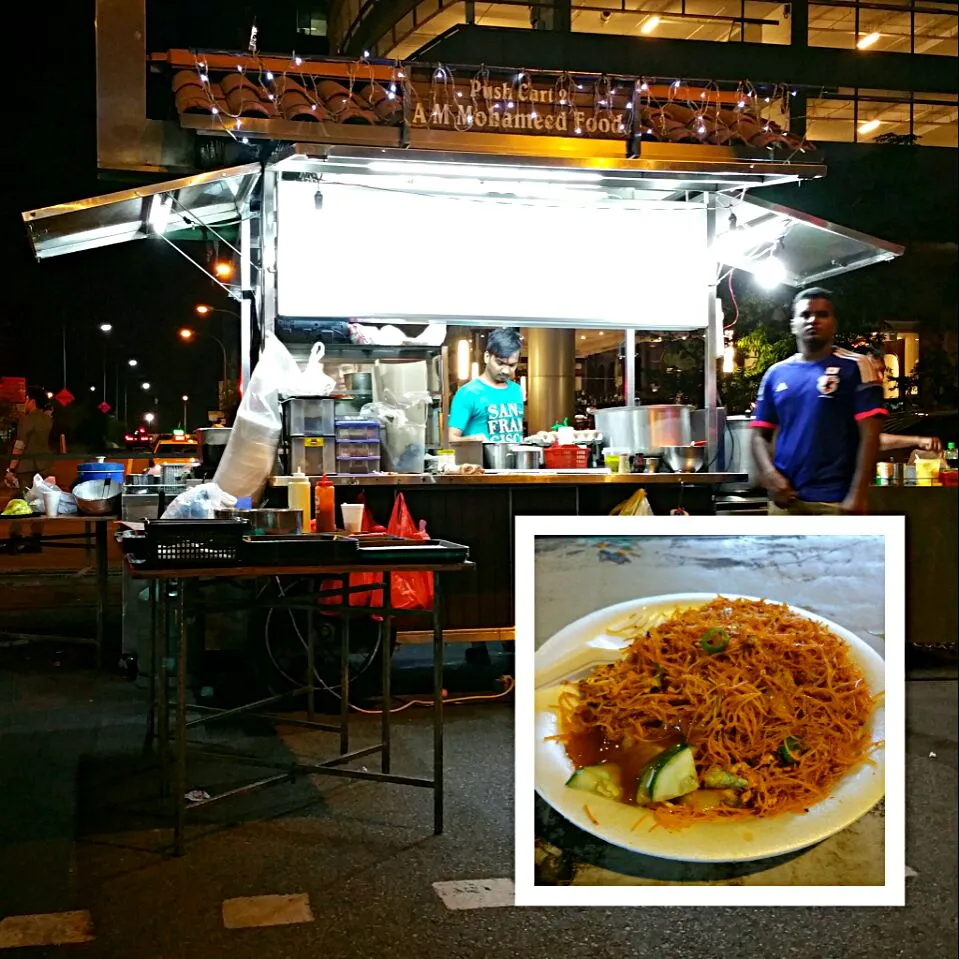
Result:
[
  {"x": 245, "y": 912},
  {"x": 476, "y": 893},
  {"x": 46, "y": 929}
]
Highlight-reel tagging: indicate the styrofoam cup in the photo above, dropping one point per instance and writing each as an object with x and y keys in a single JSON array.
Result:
[
  {"x": 51, "y": 503},
  {"x": 352, "y": 517}
]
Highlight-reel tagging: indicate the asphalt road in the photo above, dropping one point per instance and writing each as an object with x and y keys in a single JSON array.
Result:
[{"x": 79, "y": 831}]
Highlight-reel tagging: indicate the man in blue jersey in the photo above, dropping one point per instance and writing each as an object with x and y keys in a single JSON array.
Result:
[
  {"x": 490, "y": 408},
  {"x": 824, "y": 408}
]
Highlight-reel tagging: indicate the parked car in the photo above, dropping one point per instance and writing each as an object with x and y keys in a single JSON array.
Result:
[{"x": 139, "y": 439}]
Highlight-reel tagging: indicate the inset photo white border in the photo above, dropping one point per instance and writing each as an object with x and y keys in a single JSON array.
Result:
[{"x": 891, "y": 893}]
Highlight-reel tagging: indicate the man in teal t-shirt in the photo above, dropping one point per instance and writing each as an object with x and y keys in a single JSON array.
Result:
[{"x": 490, "y": 408}]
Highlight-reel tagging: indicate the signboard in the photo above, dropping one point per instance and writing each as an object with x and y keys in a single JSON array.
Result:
[{"x": 468, "y": 260}]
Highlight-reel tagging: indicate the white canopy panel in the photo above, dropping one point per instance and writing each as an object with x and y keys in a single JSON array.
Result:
[{"x": 544, "y": 252}]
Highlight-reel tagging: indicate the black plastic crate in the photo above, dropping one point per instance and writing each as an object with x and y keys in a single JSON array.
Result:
[{"x": 190, "y": 543}]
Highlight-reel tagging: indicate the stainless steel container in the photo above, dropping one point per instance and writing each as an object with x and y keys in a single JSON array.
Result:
[
  {"x": 646, "y": 429},
  {"x": 171, "y": 474},
  {"x": 496, "y": 456},
  {"x": 275, "y": 522},
  {"x": 212, "y": 441},
  {"x": 684, "y": 459},
  {"x": 142, "y": 480},
  {"x": 525, "y": 457},
  {"x": 98, "y": 497}
]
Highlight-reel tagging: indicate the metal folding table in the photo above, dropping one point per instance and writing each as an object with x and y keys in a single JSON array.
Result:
[
  {"x": 77, "y": 540},
  {"x": 319, "y": 601}
]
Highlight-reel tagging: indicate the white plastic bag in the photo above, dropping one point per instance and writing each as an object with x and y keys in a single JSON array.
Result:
[
  {"x": 34, "y": 496},
  {"x": 314, "y": 381},
  {"x": 249, "y": 456},
  {"x": 199, "y": 502}
]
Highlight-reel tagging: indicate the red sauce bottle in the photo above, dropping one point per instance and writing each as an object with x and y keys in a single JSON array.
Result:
[{"x": 324, "y": 499}]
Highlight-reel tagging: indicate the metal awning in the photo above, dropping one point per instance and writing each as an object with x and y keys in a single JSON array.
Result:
[
  {"x": 215, "y": 199},
  {"x": 792, "y": 247},
  {"x": 666, "y": 170}
]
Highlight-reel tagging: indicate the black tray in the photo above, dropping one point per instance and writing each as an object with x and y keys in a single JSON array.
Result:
[
  {"x": 416, "y": 552},
  {"x": 303, "y": 549}
]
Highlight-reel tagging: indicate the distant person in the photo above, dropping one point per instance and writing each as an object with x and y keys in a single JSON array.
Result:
[
  {"x": 823, "y": 407},
  {"x": 893, "y": 441},
  {"x": 31, "y": 447},
  {"x": 490, "y": 408}
]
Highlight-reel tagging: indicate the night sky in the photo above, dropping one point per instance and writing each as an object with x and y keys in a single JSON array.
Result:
[{"x": 145, "y": 289}]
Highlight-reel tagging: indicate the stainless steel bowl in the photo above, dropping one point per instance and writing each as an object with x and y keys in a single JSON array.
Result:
[
  {"x": 98, "y": 497},
  {"x": 275, "y": 522},
  {"x": 684, "y": 459}
]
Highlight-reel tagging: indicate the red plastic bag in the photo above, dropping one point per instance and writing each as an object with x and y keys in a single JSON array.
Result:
[
  {"x": 409, "y": 590},
  {"x": 364, "y": 597}
]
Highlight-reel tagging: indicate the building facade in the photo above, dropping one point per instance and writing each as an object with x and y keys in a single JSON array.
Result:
[{"x": 856, "y": 70}]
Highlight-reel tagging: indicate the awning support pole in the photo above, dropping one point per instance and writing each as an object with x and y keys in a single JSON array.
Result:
[
  {"x": 712, "y": 343},
  {"x": 629, "y": 357},
  {"x": 246, "y": 307},
  {"x": 268, "y": 227}
]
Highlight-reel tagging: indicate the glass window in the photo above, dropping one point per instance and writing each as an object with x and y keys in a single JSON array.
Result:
[
  {"x": 892, "y": 26},
  {"x": 867, "y": 116},
  {"x": 724, "y": 21}
]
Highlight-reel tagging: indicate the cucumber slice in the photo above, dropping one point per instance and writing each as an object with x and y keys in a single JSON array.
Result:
[
  {"x": 668, "y": 776},
  {"x": 604, "y": 780}
]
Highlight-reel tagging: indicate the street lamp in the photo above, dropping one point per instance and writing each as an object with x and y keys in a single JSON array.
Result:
[
  {"x": 148, "y": 418},
  {"x": 106, "y": 327},
  {"x": 223, "y": 269},
  {"x": 145, "y": 386},
  {"x": 204, "y": 309},
  {"x": 186, "y": 399},
  {"x": 131, "y": 363},
  {"x": 186, "y": 334}
]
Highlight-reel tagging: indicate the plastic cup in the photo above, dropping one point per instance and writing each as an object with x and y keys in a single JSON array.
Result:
[
  {"x": 51, "y": 503},
  {"x": 352, "y": 517}
]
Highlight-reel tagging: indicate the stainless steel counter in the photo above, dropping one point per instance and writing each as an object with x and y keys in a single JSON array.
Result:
[{"x": 522, "y": 478}]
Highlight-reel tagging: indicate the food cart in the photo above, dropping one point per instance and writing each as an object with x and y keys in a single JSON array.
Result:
[{"x": 431, "y": 194}]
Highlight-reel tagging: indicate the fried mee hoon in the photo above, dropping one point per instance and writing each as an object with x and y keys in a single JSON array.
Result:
[{"x": 737, "y": 708}]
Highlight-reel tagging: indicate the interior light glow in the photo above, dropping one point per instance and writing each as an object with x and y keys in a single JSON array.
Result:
[
  {"x": 868, "y": 40},
  {"x": 158, "y": 215},
  {"x": 770, "y": 272},
  {"x": 869, "y": 126},
  {"x": 463, "y": 360},
  {"x": 412, "y": 168},
  {"x": 650, "y": 25},
  {"x": 729, "y": 360}
]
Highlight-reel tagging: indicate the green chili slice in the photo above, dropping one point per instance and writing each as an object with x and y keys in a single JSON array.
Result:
[
  {"x": 790, "y": 750},
  {"x": 714, "y": 640}
]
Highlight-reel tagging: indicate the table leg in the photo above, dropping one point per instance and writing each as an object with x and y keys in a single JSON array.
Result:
[
  {"x": 345, "y": 673},
  {"x": 155, "y": 659},
  {"x": 160, "y": 650},
  {"x": 100, "y": 532},
  {"x": 179, "y": 779},
  {"x": 310, "y": 655},
  {"x": 437, "y": 704},
  {"x": 385, "y": 651}
]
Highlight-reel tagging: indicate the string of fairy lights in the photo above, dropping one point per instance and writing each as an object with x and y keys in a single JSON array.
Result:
[{"x": 476, "y": 99}]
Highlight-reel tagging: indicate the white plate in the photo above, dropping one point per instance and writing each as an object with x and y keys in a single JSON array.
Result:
[{"x": 859, "y": 790}]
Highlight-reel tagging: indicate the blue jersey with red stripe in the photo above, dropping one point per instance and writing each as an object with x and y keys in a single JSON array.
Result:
[{"x": 815, "y": 408}]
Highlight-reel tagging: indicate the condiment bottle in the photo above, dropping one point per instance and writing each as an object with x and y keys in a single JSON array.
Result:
[
  {"x": 325, "y": 500},
  {"x": 298, "y": 496}
]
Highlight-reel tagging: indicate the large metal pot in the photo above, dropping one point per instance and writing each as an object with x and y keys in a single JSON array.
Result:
[
  {"x": 212, "y": 442},
  {"x": 525, "y": 457},
  {"x": 646, "y": 429},
  {"x": 496, "y": 456}
]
